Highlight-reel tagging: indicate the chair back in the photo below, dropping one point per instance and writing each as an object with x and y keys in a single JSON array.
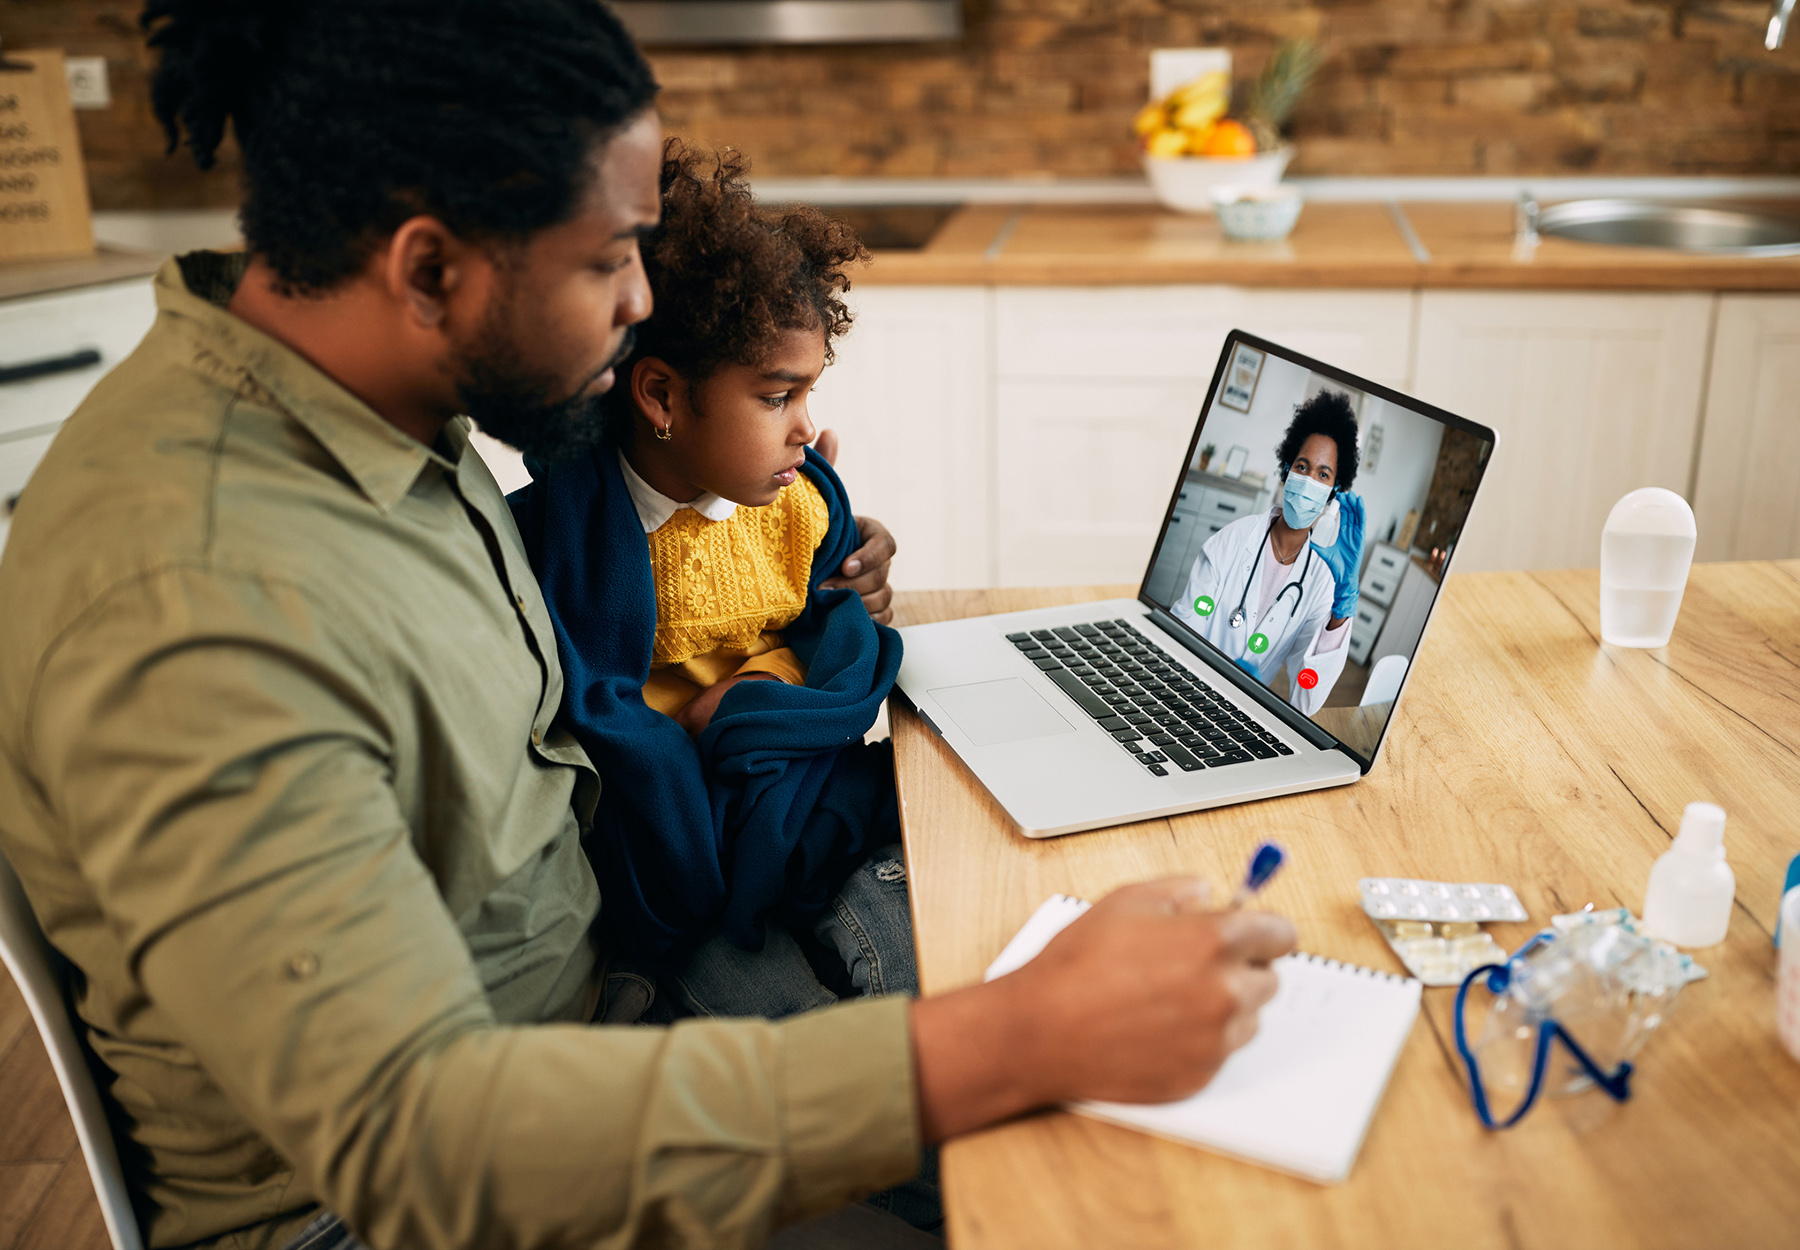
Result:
[
  {"x": 1384, "y": 681},
  {"x": 41, "y": 975}
]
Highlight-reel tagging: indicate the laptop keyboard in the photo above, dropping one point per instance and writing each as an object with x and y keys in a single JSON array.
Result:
[{"x": 1153, "y": 707}]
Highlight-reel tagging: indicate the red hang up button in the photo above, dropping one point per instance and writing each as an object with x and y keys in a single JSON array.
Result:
[{"x": 1307, "y": 679}]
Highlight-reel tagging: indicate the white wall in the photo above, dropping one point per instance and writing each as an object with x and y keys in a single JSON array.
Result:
[
  {"x": 1402, "y": 476},
  {"x": 1280, "y": 388}
]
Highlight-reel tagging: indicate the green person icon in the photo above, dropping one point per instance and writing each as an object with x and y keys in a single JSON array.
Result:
[
  {"x": 1203, "y": 605},
  {"x": 1259, "y": 643}
]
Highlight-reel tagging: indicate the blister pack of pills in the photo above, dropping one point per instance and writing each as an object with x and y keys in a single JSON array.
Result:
[
  {"x": 1443, "y": 953},
  {"x": 1438, "y": 902}
]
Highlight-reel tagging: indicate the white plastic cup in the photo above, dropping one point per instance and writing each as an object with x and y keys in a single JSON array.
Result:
[
  {"x": 1787, "y": 982},
  {"x": 1645, "y": 551}
]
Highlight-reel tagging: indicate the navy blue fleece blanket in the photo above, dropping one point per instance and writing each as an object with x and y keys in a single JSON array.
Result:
[{"x": 778, "y": 799}]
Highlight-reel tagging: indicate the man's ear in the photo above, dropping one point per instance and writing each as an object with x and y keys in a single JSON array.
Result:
[
  {"x": 424, "y": 266},
  {"x": 653, "y": 389}
]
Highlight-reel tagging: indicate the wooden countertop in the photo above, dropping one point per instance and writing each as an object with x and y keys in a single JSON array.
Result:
[
  {"x": 1334, "y": 245},
  {"x": 21, "y": 278},
  {"x": 1525, "y": 752}
]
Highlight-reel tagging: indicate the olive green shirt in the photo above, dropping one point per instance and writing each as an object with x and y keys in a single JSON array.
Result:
[{"x": 281, "y": 770}]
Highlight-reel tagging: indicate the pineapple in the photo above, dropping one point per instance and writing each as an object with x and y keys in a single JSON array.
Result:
[{"x": 1273, "y": 97}]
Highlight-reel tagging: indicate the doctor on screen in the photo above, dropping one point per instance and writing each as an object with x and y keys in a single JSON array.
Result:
[{"x": 1279, "y": 589}]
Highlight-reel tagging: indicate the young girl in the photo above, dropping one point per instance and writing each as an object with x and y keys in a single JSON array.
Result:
[{"x": 746, "y": 839}]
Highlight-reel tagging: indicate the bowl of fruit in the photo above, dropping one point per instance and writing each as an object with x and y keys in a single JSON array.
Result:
[{"x": 1194, "y": 140}]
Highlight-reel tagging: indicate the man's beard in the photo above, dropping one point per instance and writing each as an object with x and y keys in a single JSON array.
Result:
[{"x": 522, "y": 408}]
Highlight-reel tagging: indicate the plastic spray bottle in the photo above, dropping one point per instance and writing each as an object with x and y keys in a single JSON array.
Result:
[{"x": 1691, "y": 886}]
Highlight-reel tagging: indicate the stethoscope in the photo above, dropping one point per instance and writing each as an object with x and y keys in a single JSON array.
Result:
[{"x": 1237, "y": 617}]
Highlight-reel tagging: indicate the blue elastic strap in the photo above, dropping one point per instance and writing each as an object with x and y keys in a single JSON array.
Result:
[{"x": 1499, "y": 976}]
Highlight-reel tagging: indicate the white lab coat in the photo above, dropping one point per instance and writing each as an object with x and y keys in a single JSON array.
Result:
[{"x": 1295, "y": 631}]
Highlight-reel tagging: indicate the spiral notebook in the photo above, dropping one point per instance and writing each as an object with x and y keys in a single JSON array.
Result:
[{"x": 1299, "y": 1097}]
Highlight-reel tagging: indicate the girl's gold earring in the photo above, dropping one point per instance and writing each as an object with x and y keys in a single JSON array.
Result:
[{"x": 662, "y": 433}]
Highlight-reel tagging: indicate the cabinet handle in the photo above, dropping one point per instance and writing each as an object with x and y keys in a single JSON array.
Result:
[
  {"x": 82, "y": 359},
  {"x": 1226, "y": 507}
]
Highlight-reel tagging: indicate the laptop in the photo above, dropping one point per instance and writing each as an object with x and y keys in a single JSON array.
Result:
[{"x": 1223, "y": 681}]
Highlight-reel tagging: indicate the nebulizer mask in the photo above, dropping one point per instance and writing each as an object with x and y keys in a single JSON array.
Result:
[{"x": 1571, "y": 1009}]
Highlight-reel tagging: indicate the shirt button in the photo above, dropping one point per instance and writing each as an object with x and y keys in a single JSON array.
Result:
[
  {"x": 302, "y": 967},
  {"x": 537, "y": 737},
  {"x": 519, "y": 600}
]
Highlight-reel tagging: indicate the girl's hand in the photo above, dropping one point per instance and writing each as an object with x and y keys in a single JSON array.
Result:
[{"x": 698, "y": 713}]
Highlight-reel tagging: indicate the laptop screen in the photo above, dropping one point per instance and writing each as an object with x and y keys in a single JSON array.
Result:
[{"x": 1260, "y": 554}]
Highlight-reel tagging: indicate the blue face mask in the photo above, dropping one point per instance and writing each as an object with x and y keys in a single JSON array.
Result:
[{"x": 1303, "y": 501}]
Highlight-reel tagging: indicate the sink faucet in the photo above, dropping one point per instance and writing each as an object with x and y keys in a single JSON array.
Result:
[{"x": 1779, "y": 13}]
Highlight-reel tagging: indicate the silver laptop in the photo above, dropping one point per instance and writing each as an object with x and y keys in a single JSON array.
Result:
[{"x": 1240, "y": 671}]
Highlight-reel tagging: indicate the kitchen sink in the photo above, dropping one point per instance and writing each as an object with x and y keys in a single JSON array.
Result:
[
  {"x": 1640, "y": 223},
  {"x": 886, "y": 227}
]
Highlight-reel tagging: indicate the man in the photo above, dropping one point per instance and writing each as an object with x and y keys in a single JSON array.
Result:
[{"x": 279, "y": 758}]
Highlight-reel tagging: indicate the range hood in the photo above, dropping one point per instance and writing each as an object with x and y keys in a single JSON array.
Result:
[{"x": 668, "y": 22}]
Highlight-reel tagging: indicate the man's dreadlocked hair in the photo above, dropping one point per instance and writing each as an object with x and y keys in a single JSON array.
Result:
[
  {"x": 728, "y": 279},
  {"x": 354, "y": 115}
]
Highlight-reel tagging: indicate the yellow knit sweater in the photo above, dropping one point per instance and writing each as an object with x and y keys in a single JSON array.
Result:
[{"x": 724, "y": 590}]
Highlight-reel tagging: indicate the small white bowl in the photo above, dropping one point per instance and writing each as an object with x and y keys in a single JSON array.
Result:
[
  {"x": 1185, "y": 183},
  {"x": 1257, "y": 213}
]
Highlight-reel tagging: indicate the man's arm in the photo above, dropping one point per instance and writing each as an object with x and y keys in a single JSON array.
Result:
[
  {"x": 1140, "y": 1000},
  {"x": 229, "y": 797},
  {"x": 865, "y": 570}
]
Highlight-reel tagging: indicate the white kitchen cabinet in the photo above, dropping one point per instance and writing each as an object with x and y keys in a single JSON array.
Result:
[
  {"x": 1177, "y": 331},
  {"x": 1591, "y": 395},
  {"x": 1746, "y": 504},
  {"x": 65, "y": 341},
  {"x": 1085, "y": 471},
  {"x": 107, "y": 320},
  {"x": 910, "y": 397},
  {"x": 1096, "y": 395}
]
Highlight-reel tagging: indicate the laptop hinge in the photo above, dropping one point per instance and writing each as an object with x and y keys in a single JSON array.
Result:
[{"x": 1242, "y": 681}]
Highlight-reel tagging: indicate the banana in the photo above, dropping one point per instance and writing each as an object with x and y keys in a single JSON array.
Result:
[
  {"x": 1199, "y": 112},
  {"x": 1166, "y": 142},
  {"x": 1218, "y": 83},
  {"x": 1150, "y": 118}
]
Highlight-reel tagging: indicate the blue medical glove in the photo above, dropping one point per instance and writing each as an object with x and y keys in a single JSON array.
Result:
[
  {"x": 1344, "y": 557},
  {"x": 1250, "y": 667}
]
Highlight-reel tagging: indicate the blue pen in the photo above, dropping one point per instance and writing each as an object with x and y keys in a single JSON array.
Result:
[{"x": 1263, "y": 864}]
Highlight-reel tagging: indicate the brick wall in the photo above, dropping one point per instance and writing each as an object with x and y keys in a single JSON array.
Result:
[{"x": 1048, "y": 87}]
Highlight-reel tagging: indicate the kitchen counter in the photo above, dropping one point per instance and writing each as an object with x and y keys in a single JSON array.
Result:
[
  {"x": 1335, "y": 244},
  {"x": 20, "y": 278}
]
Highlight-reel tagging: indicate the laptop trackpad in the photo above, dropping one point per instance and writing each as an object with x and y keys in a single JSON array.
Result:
[{"x": 992, "y": 712}]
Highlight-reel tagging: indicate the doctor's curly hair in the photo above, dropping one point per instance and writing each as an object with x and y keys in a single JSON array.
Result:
[
  {"x": 728, "y": 278},
  {"x": 1328, "y": 413}
]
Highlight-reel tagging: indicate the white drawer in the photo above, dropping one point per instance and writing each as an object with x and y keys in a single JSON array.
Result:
[
  {"x": 1379, "y": 586},
  {"x": 1224, "y": 507},
  {"x": 108, "y": 320},
  {"x": 1365, "y": 629},
  {"x": 1389, "y": 560}
]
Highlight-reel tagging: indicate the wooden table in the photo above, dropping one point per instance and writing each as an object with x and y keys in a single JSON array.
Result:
[{"x": 1526, "y": 752}]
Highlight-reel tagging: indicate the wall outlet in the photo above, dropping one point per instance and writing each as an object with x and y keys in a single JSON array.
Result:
[{"x": 88, "y": 87}]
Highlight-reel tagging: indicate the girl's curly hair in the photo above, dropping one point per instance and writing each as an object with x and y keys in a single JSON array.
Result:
[{"x": 729, "y": 279}]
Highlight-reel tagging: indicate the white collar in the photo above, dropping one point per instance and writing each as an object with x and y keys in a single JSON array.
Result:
[{"x": 655, "y": 508}]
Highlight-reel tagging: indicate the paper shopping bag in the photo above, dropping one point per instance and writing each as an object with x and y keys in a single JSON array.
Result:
[{"x": 43, "y": 188}]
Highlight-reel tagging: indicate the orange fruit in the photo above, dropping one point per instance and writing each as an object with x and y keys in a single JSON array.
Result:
[{"x": 1229, "y": 138}]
